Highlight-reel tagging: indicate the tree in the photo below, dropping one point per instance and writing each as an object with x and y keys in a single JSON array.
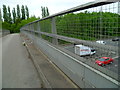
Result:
[
  {"x": 27, "y": 12},
  {"x": 0, "y": 15},
  {"x": 5, "y": 16},
  {"x": 18, "y": 18},
  {"x": 9, "y": 15},
  {"x": 6, "y": 25},
  {"x": 14, "y": 15},
  {"x": 47, "y": 11},
  {"x": 42, "y": 11},
  {"x": 18, "y": 12},
  {"x": 23, "y": 12}
]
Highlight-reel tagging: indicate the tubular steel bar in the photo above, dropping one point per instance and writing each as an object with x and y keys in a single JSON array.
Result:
[
  {"x": 54, "y": 31},
  {"x": 81, "y": 7},
  {"x": 73, "y": 40}
]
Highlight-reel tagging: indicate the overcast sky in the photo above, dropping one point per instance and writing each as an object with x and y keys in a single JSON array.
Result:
[{"x": 54, "y": 6}]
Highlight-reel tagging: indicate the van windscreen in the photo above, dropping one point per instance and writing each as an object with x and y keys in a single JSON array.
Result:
[{"x": 92, "y": 50}]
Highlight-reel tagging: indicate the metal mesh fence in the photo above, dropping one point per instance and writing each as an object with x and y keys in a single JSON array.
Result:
[
  {"x": 94, "y": 24},
  {"x": 45, "y": 25},
  {"x": 97, "y": 25}
]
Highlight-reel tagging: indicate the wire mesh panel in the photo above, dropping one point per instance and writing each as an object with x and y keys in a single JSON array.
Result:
[
  {"x": 99, "y": 24},
  {"x": 90, "y": 24},
  {"x": 45, "y": 25},
  {"x": 96, "y": 27}
]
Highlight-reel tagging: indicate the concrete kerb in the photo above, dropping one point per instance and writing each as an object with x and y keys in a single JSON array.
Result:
[
  {"x": 45, "y": 83},
  {"x": 58, "y": 69}
]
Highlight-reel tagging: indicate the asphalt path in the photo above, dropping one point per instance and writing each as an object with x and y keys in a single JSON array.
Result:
[{"x": 17, "y": 69}]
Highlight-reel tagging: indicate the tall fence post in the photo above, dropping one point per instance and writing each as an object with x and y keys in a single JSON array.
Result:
[
  {"x": 54, "y": 40},
  {"x": 30, "y": 29},
  {"x": 118, "y": 22},
  {"x": 33, "y": 33},
  {"x": 38, "y": 29},
  {"x": 118, "y": 41}
]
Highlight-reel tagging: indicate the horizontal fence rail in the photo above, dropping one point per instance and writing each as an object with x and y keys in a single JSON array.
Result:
[
  {"x": 73, "y": 40},
  {"x": 58, "y": 34}
]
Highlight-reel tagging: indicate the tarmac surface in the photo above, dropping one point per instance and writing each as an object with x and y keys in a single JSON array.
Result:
[{"x": 18, "y": 70}]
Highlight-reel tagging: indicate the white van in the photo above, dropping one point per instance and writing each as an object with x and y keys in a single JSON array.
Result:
[
  {"x": 101, "y": 42},
  {"x": 84, "y": 50}
]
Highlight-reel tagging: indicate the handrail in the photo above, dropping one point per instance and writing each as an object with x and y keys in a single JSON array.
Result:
[
  {"x": 80, "y": 7},
  {"x": 74, "y": 40}
]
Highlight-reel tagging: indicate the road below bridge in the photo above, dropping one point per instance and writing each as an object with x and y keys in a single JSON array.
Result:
[{"x": 17, "y": 69}]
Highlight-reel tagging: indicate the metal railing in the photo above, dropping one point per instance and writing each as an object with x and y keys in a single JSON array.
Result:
[
  {"x": 83, "y": 30},
  {"x": 84, "y": 24}
]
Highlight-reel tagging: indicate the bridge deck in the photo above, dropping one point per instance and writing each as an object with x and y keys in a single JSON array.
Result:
[{"x": 51, "y": 75}]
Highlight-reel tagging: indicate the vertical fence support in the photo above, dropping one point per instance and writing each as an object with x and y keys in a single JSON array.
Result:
[
  {"x": 101, "y": 27},
  {"x": 30, "y": 29},
  {"x": 54, "y": 40},
  {"x": 33, "y": 33},
  {"x": 38, "y": 29},
  {"x": 118, "y": 16},
  {"x": 118, "y": 42}
]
